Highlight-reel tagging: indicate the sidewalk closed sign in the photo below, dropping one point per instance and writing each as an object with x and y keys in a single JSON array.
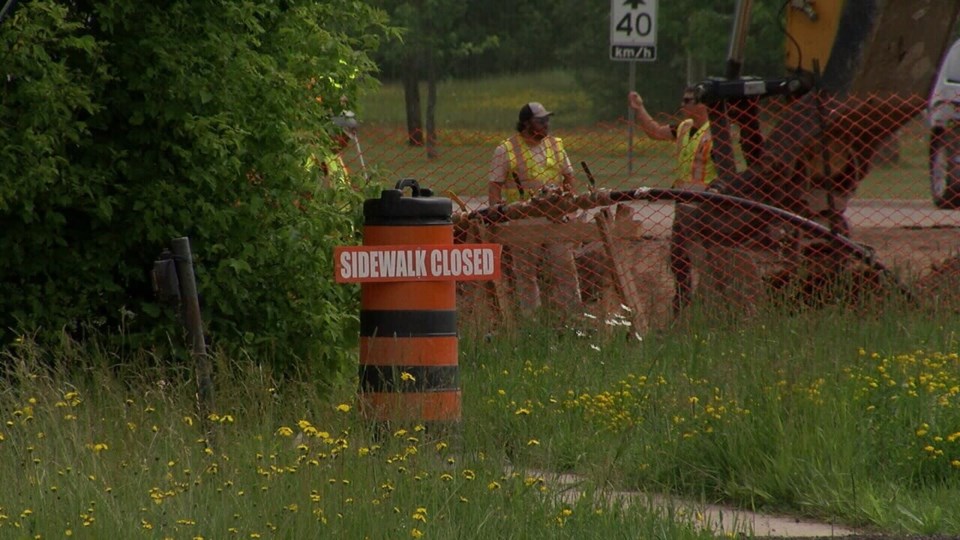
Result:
[
  {"x": 465, "y": 262},
  {"x": 633, "y": 30}
]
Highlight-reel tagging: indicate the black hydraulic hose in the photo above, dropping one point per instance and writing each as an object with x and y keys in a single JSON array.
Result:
[{"x": 495, "y": 215}]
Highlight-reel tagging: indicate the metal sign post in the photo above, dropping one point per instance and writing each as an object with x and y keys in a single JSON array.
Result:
[{"x": 633, "y": 38}]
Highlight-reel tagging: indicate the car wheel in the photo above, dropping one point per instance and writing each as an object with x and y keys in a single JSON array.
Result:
[{"x": 945, "y": 168}]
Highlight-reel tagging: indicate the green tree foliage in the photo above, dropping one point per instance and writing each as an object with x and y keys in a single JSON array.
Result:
[
  {"x": 435, "y": 37},
  {"x": 125, "y": 124},
  {"x": 531, "y": 34},
  {"x": 534, "y": 35}
]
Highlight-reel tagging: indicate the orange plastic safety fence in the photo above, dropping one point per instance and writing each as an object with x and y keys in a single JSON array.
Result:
[{"x": 871, "y": 187}]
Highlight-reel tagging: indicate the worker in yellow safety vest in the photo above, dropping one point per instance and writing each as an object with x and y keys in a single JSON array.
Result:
[
  {"x": 523, "y": 166},
  {"x": 691, "y": 136},
  {"x": 530, "y": 160},
  {"x": 696, "y": 171},
  {"x": 333, "y": 171}
]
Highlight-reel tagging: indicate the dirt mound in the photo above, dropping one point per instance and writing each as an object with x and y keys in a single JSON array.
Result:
[{"x": 941, "y": 285}]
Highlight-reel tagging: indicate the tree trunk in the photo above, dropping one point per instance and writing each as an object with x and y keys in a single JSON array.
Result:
[
  {"x": 431, "y": 108},
  {"x": 411, "y": 98}
]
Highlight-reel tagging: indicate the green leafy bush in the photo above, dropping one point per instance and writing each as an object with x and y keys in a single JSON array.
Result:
[{"x": 126, "y": 124}]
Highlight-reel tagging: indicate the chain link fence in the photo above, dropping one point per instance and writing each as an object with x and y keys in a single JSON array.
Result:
[{"x": 835, "y": 207}]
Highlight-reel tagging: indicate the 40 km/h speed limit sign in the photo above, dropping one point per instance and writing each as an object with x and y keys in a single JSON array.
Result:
[{"x": 633, "y": 30}]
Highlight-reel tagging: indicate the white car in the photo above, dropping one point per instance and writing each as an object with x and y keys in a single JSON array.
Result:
[{"x": 943, "y": 116}]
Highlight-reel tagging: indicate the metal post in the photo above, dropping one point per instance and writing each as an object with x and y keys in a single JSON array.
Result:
[
  {"x": 738, "y": 38},
  {"x": 190, "y": 305},
  {"x": 631, "y": 116}
]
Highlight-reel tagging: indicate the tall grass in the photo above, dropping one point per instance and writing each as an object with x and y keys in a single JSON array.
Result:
[
  {"x": 830, "y": 415},
  {"x": 823, "y": 414},
  {"x": 97, "y": 446},
  {"x": 487, "y": 104}
]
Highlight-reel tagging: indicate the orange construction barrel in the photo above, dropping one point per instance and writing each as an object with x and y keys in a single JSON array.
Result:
[{"x": 408, "y": 329}]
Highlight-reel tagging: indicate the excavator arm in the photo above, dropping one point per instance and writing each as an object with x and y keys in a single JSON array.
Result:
[{"x": 856, "y": 71}]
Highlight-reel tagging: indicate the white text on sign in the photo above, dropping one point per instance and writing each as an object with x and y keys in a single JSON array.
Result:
[{"x": 366, "y": 264}]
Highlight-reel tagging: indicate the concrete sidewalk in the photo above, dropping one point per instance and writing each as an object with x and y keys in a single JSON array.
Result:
[{"x": 721, "y": 520}]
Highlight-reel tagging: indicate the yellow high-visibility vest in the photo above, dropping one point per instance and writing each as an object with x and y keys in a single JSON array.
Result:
[
  {"x": 693, "y": 155},
  {"x": 526, "y": 173},
  {"x": 333, "y": 169}
]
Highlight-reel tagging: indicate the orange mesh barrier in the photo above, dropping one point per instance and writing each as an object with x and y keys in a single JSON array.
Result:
[{"x": 850, "y": 200}]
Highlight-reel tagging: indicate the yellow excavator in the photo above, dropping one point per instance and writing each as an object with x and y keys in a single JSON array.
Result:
[{"x": 857, "y": 71}]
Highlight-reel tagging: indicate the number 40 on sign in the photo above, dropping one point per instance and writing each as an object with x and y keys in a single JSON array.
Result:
[{"x": 633, "y": 30}]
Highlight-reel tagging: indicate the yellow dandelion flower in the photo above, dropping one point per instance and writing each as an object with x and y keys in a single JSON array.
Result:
[
  {"x": 188, "y": 420},
  {"x": 522, "y": 411},
  {"x": 284, "y": 431},
  {"x": 446, "y": 477},
  {"x": 343, "y": 407},
  {"x": 955, "y": 463},
  {"x": 98, "y": 447},
  {"x": 493, "y": 486},
  {"x": 533, "y": 442},
  {"x": 303, "y": 424},
  {"x": 469, "y": 474},
  {"x": 405, "y": 376},
  {"x": 415, "y": 533},
  {"x": 441, "y": 446}
]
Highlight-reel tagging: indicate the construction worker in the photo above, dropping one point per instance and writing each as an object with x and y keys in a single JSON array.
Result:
[
  {"x": 692, "y": 137},
  {"x": 523, "y": 166},
  {"x": 695, "y": 171},
  {"x": 331, "y": 167}
]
